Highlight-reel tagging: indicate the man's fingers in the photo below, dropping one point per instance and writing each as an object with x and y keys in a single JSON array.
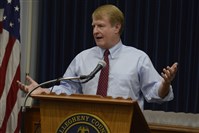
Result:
[
  {"x": 22, "y": 86},
  {"x": 169, "y": 72},
  {"x": 174, "y": 67},
  {"x": 166, "y": 71},
  {"x": 29, "y": 79},
  {"x": 164, "y": 75}
]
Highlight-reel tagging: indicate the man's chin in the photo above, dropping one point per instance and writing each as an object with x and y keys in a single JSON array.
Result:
[{"x": 100, "y": 45}]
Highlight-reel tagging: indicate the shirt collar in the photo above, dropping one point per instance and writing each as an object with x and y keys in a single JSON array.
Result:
[{"x": 113, "y": 51}]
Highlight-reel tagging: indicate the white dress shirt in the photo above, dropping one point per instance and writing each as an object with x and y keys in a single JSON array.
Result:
[{"x": 131, "y": 74}]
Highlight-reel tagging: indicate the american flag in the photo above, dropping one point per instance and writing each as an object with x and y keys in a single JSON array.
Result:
[{"x": 10, "y": 107}]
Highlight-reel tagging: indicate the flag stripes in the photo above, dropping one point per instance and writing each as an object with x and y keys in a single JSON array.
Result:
[{"x": 10, "y": 95}]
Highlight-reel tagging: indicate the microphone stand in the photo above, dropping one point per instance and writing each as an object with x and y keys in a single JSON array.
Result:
[{"x": 48, "y": 82}]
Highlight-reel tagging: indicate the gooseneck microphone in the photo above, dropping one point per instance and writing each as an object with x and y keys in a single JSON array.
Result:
[
  {"x": 99, "y": 66},
  {"x": 86, "y": 78}
]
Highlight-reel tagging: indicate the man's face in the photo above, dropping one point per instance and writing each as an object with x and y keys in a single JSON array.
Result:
[{"x": 105, "y": 35}]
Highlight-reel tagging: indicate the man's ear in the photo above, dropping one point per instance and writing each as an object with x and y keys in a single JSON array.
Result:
[{"x": 117, "y": 28}]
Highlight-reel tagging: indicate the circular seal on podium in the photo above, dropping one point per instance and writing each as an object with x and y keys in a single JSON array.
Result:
[{"x": 83, "y": 123}]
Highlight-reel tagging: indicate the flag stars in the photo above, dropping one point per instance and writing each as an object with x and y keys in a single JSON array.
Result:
[
  {"x": 11, "y": 24},
  {"x": 11, "y": 17},
  {"x": 4, "y": 17},
  {"x": 9, "y": 1},
  {"x": 16, "y": 8}
]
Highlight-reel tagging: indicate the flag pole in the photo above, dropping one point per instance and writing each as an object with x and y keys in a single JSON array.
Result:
[
  {"x": 28, "y": 48},
  {"x": 29, "y": 40}
]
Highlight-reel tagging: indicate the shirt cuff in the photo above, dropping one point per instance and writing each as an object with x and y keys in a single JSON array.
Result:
[{"x": 168, "y": 97}]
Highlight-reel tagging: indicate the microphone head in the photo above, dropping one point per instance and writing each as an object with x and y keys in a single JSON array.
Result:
[{"x": 102, "y": 63}]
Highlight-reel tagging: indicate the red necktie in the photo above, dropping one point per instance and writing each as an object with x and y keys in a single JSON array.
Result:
[{"x": 103, "y": 79}]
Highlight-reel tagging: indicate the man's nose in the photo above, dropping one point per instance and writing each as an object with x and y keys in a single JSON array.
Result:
[{"x": 95, "y": 30}]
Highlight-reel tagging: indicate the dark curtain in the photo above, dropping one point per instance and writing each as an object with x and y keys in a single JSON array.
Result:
[{"x": 167, "y": 30}]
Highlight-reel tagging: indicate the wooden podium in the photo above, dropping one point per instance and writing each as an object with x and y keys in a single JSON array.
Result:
[{"x": 64, "y": 113}]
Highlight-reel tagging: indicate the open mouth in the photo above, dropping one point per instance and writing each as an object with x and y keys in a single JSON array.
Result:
[{"x": 98, "y": 38}]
